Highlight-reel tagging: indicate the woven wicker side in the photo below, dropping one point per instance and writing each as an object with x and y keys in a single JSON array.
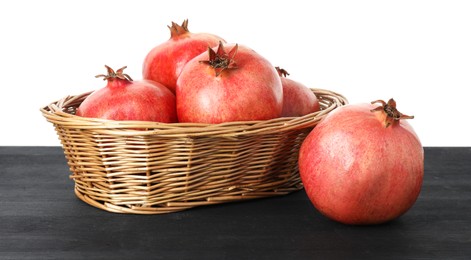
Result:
[{"x": 150, "y": 168}]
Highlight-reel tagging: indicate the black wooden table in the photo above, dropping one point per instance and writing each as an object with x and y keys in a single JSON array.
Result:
[{"x": 40, "y": 218}]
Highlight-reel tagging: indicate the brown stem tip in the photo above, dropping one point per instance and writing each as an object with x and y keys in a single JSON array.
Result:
[
  {"x": 281, "y": 72},
  {"x": 389, "y": 109}
]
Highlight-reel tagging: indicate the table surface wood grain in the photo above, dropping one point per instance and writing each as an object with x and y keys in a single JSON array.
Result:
[{"x": 40, "y": 218}]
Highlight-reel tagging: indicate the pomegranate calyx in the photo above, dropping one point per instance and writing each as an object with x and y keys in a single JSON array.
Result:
[
  {"x": 390, "y": 112},
  {"x": 115, "y": 75},
  {"x": 177, "y": 30},
  {"x": 281, "y": 72},
  {"x": 221, "y": 60}
]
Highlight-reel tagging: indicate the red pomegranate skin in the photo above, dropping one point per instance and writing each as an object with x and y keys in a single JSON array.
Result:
[
  {"x": 252, "y": 91},
  {"x": 357, "y": 171},
  {"x": 165, "y": 61},
  {"x": 130, "y": 100},
  {"x": 298, "y": 100}
]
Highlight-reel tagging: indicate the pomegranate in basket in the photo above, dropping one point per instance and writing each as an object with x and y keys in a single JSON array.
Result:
[
  {"x": 125, "y": 99},
  {"x": 298, "y": 100},
  {"x": 165, "y": 61},
  {"x": 224, "y": 86}
]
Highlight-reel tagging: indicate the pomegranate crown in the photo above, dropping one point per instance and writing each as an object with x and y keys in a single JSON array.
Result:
[
  {"x": 114, "y": 75},
  {"x": 221, "y": 60},
  {"x": 176, "y": 29},
  {"x": 392, "y": 114}
]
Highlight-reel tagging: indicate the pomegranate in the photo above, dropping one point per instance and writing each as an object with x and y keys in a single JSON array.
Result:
[
  {"x": 362, "y": 164},
  {"x": 298, "y": 100},
  {"x": 165, "y": 61},
  {"x": 124, "y": 99},
  {"x": 217, "y": 87}
]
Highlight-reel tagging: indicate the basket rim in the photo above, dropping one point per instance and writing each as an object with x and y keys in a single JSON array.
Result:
[{"x": 57, "y": 114}]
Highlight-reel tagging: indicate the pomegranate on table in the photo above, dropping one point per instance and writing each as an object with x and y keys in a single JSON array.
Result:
[
  {"x": 362, "y": 164},
  {"x": 298, "y": 100},
  {"x": 228, "y": 83},
  {"x": 125, "y": 99},
  {"x": 165, "y": 61}
]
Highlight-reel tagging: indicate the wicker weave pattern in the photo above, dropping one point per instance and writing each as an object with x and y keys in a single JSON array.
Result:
[{"x": 149, "y": 168}]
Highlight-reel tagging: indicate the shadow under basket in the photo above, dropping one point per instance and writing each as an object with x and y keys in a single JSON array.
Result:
[{"x": 150, "y": 168}]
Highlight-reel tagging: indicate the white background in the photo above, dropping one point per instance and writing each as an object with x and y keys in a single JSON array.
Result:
[{"x": 418, "y": 52}]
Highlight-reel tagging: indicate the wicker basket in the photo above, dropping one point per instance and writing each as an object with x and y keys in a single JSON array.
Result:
[{"x": 149, "y": 168}]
